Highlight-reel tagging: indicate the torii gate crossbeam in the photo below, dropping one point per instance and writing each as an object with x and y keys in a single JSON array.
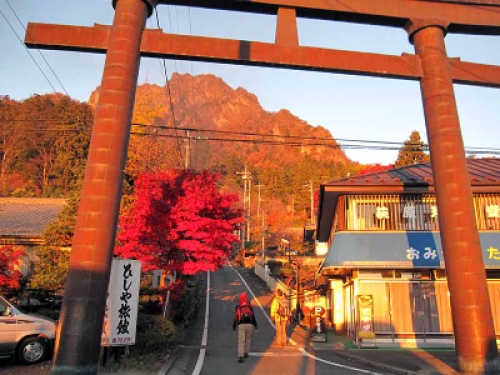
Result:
[
  {"x": 241, "y": 52},
  {"x": 426, "y": 22}
]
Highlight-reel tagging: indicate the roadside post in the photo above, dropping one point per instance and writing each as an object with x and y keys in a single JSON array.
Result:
[{"x": 317, "y": 326}]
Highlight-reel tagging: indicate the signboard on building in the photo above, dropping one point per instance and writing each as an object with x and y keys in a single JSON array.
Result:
[
  {"x": 120, "y": 319},
  {"x": 365, "y": 316},
  {"x": 401, "y": 250},
  {"x": 317, "y": 324}
]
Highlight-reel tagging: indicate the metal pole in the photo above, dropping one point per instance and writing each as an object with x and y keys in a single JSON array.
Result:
[
  {"x": 312, "y": 201},
  {"x": 187, "y": 161},
  {"x": 297, "y": 307},
  {"x": 262, "y": 237},
  {"x": 249, "y": 207}
]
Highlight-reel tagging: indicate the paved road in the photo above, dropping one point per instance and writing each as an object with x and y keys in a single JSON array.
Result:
[{"x": 220, "y": 357}]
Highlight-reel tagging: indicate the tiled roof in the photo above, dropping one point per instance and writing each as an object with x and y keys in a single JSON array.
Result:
[
  {"x": 27, "y": 217},
  {"x": 484, "y": 177},
  {"x": 481, "y": 171}
]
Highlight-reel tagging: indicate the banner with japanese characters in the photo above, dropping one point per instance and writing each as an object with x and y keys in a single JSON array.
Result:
[
  {"x": 120, "y": 319},
  {"x": 365, "y": 316},
  {"x": 414, "y": 249}
]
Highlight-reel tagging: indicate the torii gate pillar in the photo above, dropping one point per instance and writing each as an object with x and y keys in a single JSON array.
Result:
[
  {"x": 78, "y": 342},
  {"x": 470, "y": 304}
]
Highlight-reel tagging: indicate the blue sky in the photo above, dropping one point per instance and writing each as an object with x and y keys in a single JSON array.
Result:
[{"x": 350, "y": 107}]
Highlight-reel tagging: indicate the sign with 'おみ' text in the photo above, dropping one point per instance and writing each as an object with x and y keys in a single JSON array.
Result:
[{"x": 120, "y": 318}]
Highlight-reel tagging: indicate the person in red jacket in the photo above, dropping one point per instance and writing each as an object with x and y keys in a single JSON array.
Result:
[{"x": 244, "y": 319}]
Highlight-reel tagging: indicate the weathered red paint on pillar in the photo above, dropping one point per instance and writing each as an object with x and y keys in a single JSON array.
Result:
[
  {"x": 78, "y": 343},
  {"x": 286, "y": 28},
  {"x": 472, "y": 318}
]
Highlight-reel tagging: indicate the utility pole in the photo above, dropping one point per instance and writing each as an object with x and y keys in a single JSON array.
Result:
[
  {"x": 249, "y": 212},
  {"x": 187, "y": 162},
  {"x": 312, "y": 201},
  {"x": 260, "y": 200},
  {"x": 262, "y": 235},
  {"x": 247, "y": 177},
  {"x": 297, "y": 307}
]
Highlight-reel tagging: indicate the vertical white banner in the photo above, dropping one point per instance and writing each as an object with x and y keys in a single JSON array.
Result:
[{"x": 122, "y": 304}]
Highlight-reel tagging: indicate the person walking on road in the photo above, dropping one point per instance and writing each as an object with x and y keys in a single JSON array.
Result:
[
  {"x": 280, "y": 313},
  {"x": 244, "y": 319}
]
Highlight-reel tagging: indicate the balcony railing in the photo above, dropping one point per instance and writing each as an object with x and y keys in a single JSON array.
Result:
[{"x": 411, "y": 212}]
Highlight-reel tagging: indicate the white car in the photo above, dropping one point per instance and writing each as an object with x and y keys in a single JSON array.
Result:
[{"x": 28, "y": 337}]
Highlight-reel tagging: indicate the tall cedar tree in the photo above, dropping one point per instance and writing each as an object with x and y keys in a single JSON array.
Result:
[
  {"x": 10, "y": 262},
  {"x": 412, "y": 151},
  {"x": 180, "y": 221}
]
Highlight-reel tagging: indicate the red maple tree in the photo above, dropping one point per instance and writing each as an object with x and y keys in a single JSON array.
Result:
[
  {"x": 180, "y": 221},
  {"x": 10, "y": 263},
  {"x": 374, "y": 168}
]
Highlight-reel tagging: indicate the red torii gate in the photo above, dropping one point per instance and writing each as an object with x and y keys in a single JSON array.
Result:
[{"x": 426, "y": 21}]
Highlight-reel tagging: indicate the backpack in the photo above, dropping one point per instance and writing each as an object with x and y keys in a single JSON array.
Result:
[
  {"x": 283, "y": 308},
  {"x": 245, "y": 314}
]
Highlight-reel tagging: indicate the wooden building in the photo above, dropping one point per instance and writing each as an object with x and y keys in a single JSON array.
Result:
[
  {"x": 23, "y": 221},
  {"x": 383, "y": 239}
]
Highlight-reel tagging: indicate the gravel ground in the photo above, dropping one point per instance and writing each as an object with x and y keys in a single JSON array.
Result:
[
  {"x": 147, "y": 366},
  {"x": 10, "y": 367}
]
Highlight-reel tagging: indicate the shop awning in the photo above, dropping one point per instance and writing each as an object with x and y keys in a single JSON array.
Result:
[{"x": 399, "y": 250}]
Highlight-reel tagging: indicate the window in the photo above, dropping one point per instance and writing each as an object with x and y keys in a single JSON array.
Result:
[
  {"x": 411, "y": 212},
  {"x": 391, "y": 212},
  {"x": 487, "y": 208}
]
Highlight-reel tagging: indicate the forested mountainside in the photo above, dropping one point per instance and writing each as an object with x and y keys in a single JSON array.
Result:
[
  {"x": 44, "y": 142},
  {"x": 228, "y": 130},
  {"x": 196, "y": 122}
]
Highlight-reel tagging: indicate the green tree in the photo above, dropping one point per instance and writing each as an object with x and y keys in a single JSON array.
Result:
[
  {"x": 51, "y": 266},
  {"x": 412, "y": 151},
  {"x": 44, "y": 141},
  {"x": 13, "y": 142}
]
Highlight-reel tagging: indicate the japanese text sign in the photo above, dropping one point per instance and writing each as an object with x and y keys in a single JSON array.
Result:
[
  {"x": 120, "y": 320},
  {"x": 365, "y": 316}
]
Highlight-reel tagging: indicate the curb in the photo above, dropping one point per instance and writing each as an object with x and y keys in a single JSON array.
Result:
[
  {"x": 169, "y": 362},
  {"x": 378, "y": 365}
]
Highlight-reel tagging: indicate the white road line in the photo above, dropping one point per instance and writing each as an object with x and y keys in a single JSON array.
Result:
[
  {"x": 276, "y": 354},
  {"x": 254, "y": 297},
  {"x": 301, "y": 350},
  {"x": 201, "y": 357}
]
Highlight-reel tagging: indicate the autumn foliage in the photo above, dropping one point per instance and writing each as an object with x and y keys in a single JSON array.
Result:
[
  {"x": 179, "y": 221},
  {"x": 10, "y": 262},
  {"x": 374, "y": 168}
]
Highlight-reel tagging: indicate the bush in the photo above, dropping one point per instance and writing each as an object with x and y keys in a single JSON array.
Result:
[
  {"x": 154, "y": 332},
  {"x": 151, "y": 304},
  {"x": 274, "y": 267}
]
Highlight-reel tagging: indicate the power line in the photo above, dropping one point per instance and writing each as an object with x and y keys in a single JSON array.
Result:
[
  {"x": 267, "y": 135},
  {"x": 27, "y": 50},
  {"x": 167, "y": 84},
  {"x": 38, "y": 49},
  {"x": 294, "y": 140}
]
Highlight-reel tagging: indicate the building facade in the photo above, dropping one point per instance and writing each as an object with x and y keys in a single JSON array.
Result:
[{"x": 382, "y": 235}]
